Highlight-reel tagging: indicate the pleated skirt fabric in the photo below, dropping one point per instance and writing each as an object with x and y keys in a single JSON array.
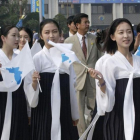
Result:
[
  {"x": 113, "y": 127},
  {"x": 41, "y": 117},
  {"x": 19, "y": 120}
]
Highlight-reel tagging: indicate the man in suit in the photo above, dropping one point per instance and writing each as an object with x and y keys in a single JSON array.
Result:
[
  {"x": 85, "y": 49},
  {"x": 71, "y": 26}
]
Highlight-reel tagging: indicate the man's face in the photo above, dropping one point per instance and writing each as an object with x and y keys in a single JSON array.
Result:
[
  {"x": 72, "y": 27},
  {"x": 84, "y": 25}
]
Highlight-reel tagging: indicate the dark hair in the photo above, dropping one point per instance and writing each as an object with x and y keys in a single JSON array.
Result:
[
  {"x": 138, "y": 28},
  {"x": 46, "y": 21},
  {"x": 77, "y": 18},
  {"x": 111, "y": 46},
  {"x": 42, "y": 24},
  {"x": 70, "y": 20},
  {"x": 4, "y": 30},
  {"x": 29, "y": 32},
  {"x": 100, "y": 38},
  {"x": 41, "y": 42}
]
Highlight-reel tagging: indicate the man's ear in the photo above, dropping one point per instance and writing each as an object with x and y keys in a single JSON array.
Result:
[{"x": 112, "y": 37}]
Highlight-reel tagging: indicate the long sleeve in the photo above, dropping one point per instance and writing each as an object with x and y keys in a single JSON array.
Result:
[
  {"x": 73, "y": 98},
  {"x": 31, "y": 94},
  {"x": 108, "y": 70},
  {"x": 101, "y": 98}
]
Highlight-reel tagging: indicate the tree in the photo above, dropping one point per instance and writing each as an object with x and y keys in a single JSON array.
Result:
[
  {"x": 62, "y": 21},
  {"x": 32, "y": 21},
  {"x": 9, "y": 12}
]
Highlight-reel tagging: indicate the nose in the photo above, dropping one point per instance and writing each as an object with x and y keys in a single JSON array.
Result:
[
  {"x": 51, "y": 34},
  {"x": 17, "y": 38},
  {"x": 125, "y": 34}
]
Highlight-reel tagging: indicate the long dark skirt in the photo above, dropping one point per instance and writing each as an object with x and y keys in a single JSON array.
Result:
[
  {"x": 19, "y": 120},
  {"x": 41, "y": 117},
  {"x": 113, "y": 121}
]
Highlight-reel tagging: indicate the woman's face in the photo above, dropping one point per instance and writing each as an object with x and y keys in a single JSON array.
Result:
[
  {"x": 50, "y": 32},
  {"x": 123, "y": 36},
  {"x": 23, "y": 37},
  {"x": 12, "y": 39}
]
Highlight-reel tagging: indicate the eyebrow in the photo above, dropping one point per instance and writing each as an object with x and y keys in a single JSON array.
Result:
[
  {"x": 52, "y": 30},
  {"x": 123, "y": 30}
]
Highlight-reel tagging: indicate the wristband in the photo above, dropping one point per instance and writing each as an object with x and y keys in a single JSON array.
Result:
[{"x": 101, "y": 85}]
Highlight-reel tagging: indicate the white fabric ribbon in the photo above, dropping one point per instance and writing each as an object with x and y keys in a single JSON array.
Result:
[
  {"x": 128, "y": 108},
  {"x": 91, "y": 128},
  {"x": 7, "y": 120},
  {"x": 55, "y": 105}
]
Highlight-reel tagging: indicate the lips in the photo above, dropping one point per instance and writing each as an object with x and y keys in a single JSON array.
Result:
[{"x": 126, "y": 41}]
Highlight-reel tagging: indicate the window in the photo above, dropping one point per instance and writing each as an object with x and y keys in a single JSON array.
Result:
[
  {"x": 131, "y": 8},
  {"x": 46, "y": 8}
]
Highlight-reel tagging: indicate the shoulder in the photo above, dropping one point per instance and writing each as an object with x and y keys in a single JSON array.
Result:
[
  {"x": 136, "y": 59},
  {"x": 102, "y": 60},
  {"x": 89, "y": 35},
  {"x": 110, "y": 62},
  {"x": 71, "y": 38},
  {"x": 38, "y": 55}
]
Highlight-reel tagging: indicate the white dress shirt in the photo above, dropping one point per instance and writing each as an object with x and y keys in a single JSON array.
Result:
[{"x": 80, "y": 39}]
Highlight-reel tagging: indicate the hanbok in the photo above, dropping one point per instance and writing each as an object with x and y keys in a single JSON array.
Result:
[
  {"x": 41, "y": 102},
  {"x": 122, "y": 117},
  {"x": 13, "y": 126}
]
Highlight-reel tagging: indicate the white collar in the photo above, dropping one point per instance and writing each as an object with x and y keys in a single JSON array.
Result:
[{"x": 80, "y": 36}]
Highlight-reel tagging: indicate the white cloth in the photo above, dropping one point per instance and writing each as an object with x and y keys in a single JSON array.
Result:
[
  {"x": 117, "y": 67},
  {"x": 8, "y": 111},
  {"x": 44, "y": 63},
  {"x": 70, "y": 34},
  {"x": 35, "y": 48},
  {"x": 100, "y": 99},
  {"x": 81, "y": 40},
  {"x": 16, "y": 51}
]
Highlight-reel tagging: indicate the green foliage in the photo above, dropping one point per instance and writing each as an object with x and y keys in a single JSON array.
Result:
[
  {"x": 32, "y": 21},
  {"x": 62, "y": 21},
  {"x": 9, "y": 13}
]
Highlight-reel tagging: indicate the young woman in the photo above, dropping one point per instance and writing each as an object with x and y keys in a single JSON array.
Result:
[
  {"x": 25, "y": 34},
  {"x": 120, "y": 90},
  {"x": 13, "y": 108},
  {"x": 49, "y": 120}
]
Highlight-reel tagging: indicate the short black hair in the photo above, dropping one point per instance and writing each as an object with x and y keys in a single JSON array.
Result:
[
  {"x": 111, "y": 46},
  {"x": 78, "y": 17},
  {"x": 138, "y": 28},
  {"x": 70, "y": 19}
]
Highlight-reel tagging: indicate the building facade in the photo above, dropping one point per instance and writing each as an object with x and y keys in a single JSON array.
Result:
[{"x": 100, "y": 14}]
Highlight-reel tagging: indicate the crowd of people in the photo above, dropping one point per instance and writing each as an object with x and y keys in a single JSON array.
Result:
[{"x": 107, "y": 84}]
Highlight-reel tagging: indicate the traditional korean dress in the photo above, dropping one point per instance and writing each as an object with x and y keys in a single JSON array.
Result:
[
  {"x": 122, "y": 105},
  {"x": 44, "y": 114},
  {"x": 13, "y": 111}
]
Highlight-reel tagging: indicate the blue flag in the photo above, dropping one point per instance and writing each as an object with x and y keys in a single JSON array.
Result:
[
  {"x": 138, "y": 51},
  {"x": 19, "y": 24}
]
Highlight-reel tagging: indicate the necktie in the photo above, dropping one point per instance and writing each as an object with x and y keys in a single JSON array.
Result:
[{"x": 84, "y": 48}]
